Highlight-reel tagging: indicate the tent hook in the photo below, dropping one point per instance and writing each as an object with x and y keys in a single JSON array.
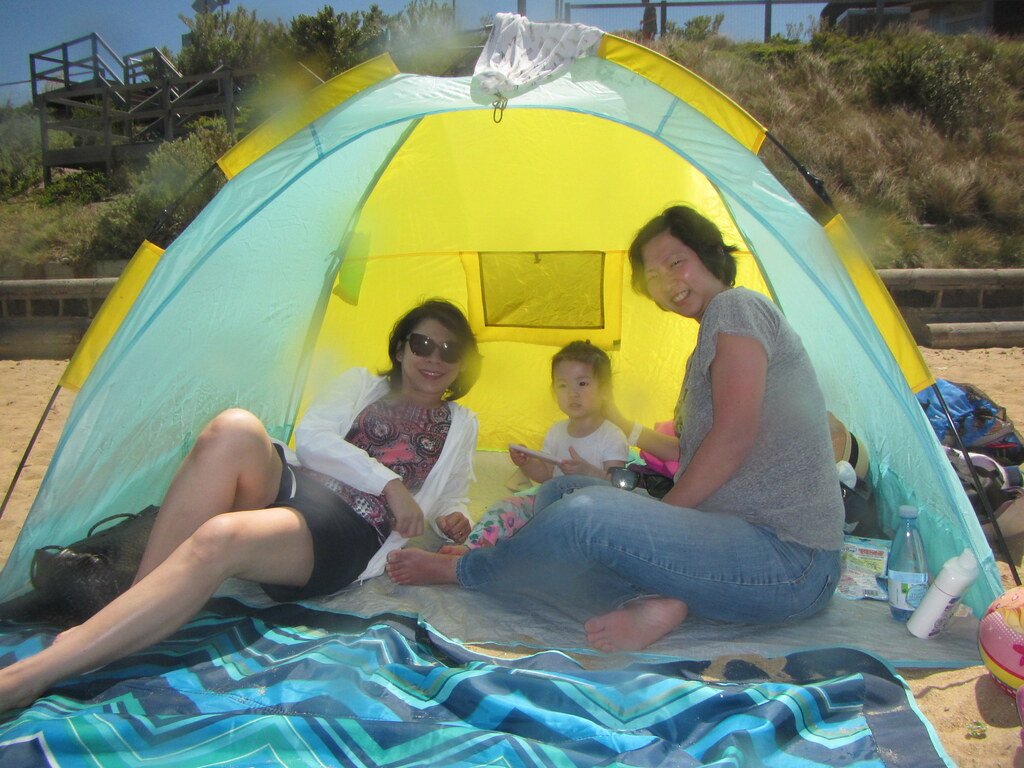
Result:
[{"x": 499, "y": 108}]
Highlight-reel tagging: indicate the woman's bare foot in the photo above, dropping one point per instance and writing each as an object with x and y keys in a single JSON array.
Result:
[
  {"x": 18, "y": 690},
  {"x": 635, "y": 625},
  {"x": 453, "y": 549},
  {"x": 417, "y": 566}
]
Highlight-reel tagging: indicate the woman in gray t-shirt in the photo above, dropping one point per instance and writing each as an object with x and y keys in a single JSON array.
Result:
[{"x": 751, "y": 529}]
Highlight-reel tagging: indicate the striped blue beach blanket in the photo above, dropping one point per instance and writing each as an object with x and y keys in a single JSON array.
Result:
[{"x": 294, "y": 686}]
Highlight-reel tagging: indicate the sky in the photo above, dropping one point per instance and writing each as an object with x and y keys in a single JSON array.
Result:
[{"x": 128, "y": 26}]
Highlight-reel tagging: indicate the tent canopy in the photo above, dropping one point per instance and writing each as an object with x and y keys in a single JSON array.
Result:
[{"x": 384, "y": 189}]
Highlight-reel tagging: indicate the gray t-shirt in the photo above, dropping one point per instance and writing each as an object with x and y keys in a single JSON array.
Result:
[{"x": 788, "y": 482}]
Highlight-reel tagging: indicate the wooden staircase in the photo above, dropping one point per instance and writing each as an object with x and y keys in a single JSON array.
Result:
[{"x": 116, "y": 109}]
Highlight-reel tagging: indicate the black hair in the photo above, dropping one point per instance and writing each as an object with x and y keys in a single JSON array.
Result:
[
  {"x": 451, "y": 317},
  {"x": 692, "y": 230},
  {"x": 587, "y": 353}
]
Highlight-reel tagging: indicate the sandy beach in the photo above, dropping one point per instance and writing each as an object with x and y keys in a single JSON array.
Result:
[{"x": 976, "y": 722}]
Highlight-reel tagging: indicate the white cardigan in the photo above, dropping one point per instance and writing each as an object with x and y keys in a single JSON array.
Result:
[{"x": 320, "y": 445}]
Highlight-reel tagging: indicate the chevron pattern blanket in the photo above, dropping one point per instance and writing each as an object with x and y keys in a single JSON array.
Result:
[{"x": 293, "y": 686}]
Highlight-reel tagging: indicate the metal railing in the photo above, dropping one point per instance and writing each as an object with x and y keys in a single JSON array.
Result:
[{"x": 744, "y": 20}]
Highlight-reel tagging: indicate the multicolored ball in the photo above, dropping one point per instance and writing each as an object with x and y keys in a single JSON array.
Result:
[{"x": 1001, "y": 640}]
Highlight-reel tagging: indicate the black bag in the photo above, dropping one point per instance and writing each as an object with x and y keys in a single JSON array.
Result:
[
  {"x": 72, "y": 583},
  {"x": 861, "y": 512},
  {"x": 993, "y": 485}
]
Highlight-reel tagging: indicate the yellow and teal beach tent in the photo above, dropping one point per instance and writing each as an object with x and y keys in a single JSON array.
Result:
[{"x": 383, "y": 188}]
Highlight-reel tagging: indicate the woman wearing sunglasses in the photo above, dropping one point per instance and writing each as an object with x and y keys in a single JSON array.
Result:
[{"x": 374, "y": 457}]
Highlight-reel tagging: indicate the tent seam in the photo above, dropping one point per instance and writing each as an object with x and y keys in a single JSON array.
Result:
[
  {"x": 666, "y": 116},
  {"x": 317, "y": 142}
]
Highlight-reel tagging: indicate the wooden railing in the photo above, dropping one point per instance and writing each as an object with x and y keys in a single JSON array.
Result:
[
  {"x": 117, "y": 109},
  {"x": 961, "y": 308}
]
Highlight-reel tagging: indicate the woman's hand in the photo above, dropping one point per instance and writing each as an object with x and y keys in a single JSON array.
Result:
[
  {"x": 408, "y": 517},
  {"x": 455, "y": 526}
]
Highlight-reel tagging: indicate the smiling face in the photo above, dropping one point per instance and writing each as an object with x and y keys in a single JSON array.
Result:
[
  {"x": 676, "y": 278},
  {"x": 577, "y": 391},
  {"x": 426, "y": 379}
]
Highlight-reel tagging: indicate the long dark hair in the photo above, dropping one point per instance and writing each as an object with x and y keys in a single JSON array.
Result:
[
  {"x": 692, "y": 230},
  {"x": 451, "y": 317}
]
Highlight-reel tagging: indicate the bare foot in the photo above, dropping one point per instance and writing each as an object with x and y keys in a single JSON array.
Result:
[
  {"x": 453, "y": 549},
  {"x": 17, "y": 690},
  {"x": 635, "y": 625},
  {"x": 417, "y": 566}
]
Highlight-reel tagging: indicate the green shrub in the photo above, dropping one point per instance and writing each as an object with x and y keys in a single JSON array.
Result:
[
  {"x": 31, "y": 234},
  {"x": 955, "y": 90},
  {"x": 945, "y": 193},
  {"x": 21, "y": 164},
  {"x": 83, "y": 187},
  {"x": 164, "y": 185},
  {"x": 974, "y": 247}
]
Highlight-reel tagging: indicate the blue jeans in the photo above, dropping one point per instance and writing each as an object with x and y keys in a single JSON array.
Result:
[{"x": 599, "y": 547}]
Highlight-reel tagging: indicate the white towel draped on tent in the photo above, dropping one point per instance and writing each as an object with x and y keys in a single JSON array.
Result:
[{"x": 519, "y": 54}]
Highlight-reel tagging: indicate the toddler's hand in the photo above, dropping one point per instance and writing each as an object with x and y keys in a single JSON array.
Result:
[
  {"x": 575, "y": 465},
  {"x": 455, "y": 526},
  {"x": 518, "y": 457}
]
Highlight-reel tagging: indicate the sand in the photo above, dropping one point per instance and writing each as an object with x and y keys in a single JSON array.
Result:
[{"x": 976, "y": 722}]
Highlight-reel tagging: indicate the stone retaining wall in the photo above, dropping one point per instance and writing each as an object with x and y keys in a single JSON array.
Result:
[{"x": 963, "y": 308}]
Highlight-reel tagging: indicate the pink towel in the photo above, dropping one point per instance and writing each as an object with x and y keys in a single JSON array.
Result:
[{"x": 666, "y": 468}]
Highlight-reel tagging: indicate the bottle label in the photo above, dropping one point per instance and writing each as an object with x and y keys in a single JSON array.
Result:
[
  {"x": 907, "y": 589},
  {"x": 943, "y": 619}
]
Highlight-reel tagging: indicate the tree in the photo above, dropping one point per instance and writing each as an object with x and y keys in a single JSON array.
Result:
[
  {"x": 425, "y": 39},
  {"x": 235, "y": 39},
  {"x": 328, "y": 42},
  {"x": 697, "y": 28}
]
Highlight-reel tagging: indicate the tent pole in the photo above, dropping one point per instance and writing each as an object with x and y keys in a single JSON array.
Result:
[
  {"x": 168, "y": 211},
  {"x": 986, "y": 506},
  {"x": 28, "y": 450},
  {"x": 813, "y": 181}
]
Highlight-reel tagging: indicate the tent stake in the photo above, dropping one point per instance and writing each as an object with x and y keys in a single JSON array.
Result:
[
  {"x": 990, "y": 516},
  {"x": 28, "y": 450}
]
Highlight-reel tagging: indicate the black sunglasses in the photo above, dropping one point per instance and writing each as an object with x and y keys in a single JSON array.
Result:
[
  {"x": 626, "y": 479},
  {"x": 424, "y": 346}
]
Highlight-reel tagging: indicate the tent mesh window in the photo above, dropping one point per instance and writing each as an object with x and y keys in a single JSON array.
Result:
[{"x": 571, "y": 282}]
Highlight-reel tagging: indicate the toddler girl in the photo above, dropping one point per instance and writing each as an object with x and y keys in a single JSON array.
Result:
[{"x": 585, "y": 443}]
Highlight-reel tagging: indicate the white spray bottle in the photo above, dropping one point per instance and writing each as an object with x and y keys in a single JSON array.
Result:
[{"x": 943, "y": 595}]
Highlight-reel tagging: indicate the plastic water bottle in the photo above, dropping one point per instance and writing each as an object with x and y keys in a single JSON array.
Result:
[
  {"x": 944, "y": 595},
  {"x": 907, "y": 570}
]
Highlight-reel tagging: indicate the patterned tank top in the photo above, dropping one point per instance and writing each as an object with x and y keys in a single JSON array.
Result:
[{"x": 404, "y": 437}]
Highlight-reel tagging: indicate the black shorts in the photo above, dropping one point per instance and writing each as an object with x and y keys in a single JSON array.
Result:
[{"x": 343, "y": 542}]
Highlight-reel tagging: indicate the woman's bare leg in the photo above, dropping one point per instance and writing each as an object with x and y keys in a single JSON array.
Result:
[
  {"x": 267, "y": 545},
  {"x": 232, "y": 466}
]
